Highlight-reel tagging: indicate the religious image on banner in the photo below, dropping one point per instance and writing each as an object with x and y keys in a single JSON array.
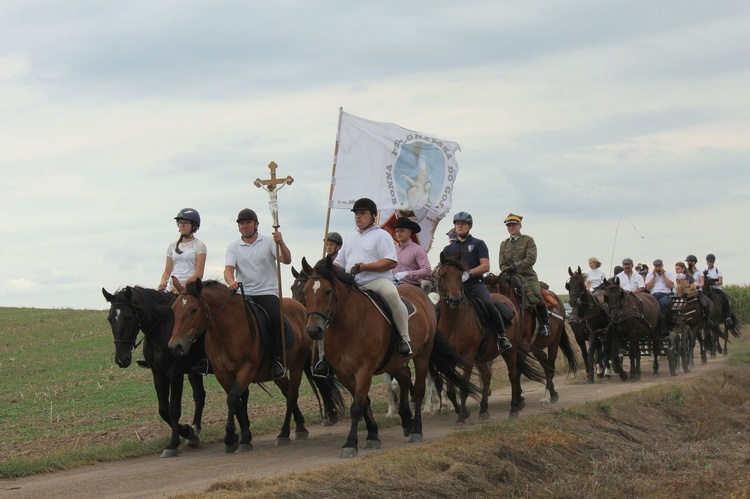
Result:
[{"x": 406, "y": 173}]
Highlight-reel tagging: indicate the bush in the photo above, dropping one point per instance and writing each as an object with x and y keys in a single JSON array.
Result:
[{"x": 740, "y": 301}]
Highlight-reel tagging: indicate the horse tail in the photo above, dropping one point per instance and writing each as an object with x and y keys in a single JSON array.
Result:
[
  {"x": 530, "y": 366},
  {"x": 444, "y": 362},
  {"x": 329, "y": 389},
  {"x": 736, "y": 325},
  {"x": 567, "y": 349}
]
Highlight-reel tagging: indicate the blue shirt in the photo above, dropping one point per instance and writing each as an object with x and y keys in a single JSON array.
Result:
[{"x": 472, "y": 250}]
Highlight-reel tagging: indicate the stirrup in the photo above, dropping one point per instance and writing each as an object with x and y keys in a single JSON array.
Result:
[
  {"x": 404, "y": 349},
  {"x": 503, "y": 343},
  {"x": 321, "y": 369},
  {"x": 544, "y": 330},
  {"x": 277, "y": 370},
  {"x": 202, "y": 367},
  {"x": 729, "y": 322}
]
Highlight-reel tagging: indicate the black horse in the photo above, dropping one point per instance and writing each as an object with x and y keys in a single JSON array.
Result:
[
  {"x": 633, "y": 316},
  {"x": 589, "y": 322},
  {"x": 721, "y": 314},
  {"x": 135, "y": 309}
]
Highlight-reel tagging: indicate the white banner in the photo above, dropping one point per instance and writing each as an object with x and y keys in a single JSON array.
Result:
[{"x": 406, "y": 173}]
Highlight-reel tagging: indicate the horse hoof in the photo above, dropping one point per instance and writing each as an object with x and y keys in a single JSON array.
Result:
[
  {"x": 513, "y": 415},
  {"x": 554, "y": 398},
  {"x": 169, "y": 453},
  {"x": 231, "y": 448},
  {"x": 301, "y": 435},
  {"x": 415, "y": 437},
  {"x": 590, "y": 381},
  {"x": 372, "y": 444},
  {"x": 484, "y": 416},
  {"x": 521, "y": 405},
  {"x": 348, "y": 452},
  {"x": 193, "y": 441},
  {"x": 196, "y": 430},
  {"x": 245, "y": 448},
  {"x": 282, "y": 441}
]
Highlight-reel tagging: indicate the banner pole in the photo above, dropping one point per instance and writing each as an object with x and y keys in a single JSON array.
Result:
[{"x": 333, "y": 179}]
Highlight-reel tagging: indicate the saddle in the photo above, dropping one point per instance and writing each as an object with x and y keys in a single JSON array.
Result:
[{"x": 264, "y": 323}]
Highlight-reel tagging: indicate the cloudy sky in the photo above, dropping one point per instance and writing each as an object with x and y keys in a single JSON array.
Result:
[{"x": 617, "y": 129}]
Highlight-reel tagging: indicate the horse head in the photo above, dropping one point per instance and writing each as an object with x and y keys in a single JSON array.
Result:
[
  {"x": 321, "y": 294},
  {"x": 448, "y": 277},
  {"x": 614, "y": 297},
  {"x": 298, "y": 286},
  {"x": 191, "y": 318},
  {"x": 123, "y": 320},
  {"x": 576, "y": 286}
]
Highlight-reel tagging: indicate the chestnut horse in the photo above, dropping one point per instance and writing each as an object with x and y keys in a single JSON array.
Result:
[
  {"x": 360, "y": 343},
  {"x": 235, "y": 349},
  {"x": 633, "y": 316},
  {"x": 588, "y": 320},
  {"x": 460, "y": 321},
  {"x": 135, "y": 309},
  {"x": 511, "y": 285}
]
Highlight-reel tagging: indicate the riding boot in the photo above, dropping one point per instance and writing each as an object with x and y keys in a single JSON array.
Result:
[
  {"x": 404, "y": 348},
  {"x": 544, "y": 329},
  {"x": 503, "y": 343},
  {"x": 321, "y": 368},
  {"x": 277, "y": 358}
]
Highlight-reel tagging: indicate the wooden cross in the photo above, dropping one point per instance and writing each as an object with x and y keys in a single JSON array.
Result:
[{"x": 274, "y": 185}]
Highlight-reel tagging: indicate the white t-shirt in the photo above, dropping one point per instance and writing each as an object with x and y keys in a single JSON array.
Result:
[
  {"x": 713, "y": 273},
  {"x": 183, "y": 264},
  {"x": 595, "y": 277},
  {"x": 632, "y": 283},
  {"x": 254, "y": 265},
  {"x": 368, "y": 247},
  {"x": 659, "y": 284}
]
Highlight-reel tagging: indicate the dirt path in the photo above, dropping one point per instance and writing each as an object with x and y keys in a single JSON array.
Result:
[{"x": 196, "y": 469}]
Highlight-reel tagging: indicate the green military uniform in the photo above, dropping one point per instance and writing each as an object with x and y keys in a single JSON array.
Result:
[{"x": 521, "y": 251}]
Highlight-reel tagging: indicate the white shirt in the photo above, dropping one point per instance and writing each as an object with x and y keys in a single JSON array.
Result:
[
  {"x": 183, "y": 264},
  {"x": 713, "y": 273},
  {"x": 632, "y": 283},
  {"x": 367, "y": 247},
  {"x": 595, "y": 277},
  {"x": 254, "y": 265},
  {"x": 659, "y": 285}
]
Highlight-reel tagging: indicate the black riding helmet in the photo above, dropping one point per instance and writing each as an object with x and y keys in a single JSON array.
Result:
[
  {"x": 691, "y": 258},
  {"x": 190, "y": 214},
  {"x": 335, "y": 237},
  {"x": 246, "y": 214},
  {"x": 462, "y": 216},
  {"x": 365, "y": 204},
  {"x": 710, "y": 257}
]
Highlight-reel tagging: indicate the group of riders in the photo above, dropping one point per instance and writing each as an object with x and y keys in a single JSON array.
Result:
[
  {"x": 378, "y": 261},
  {"x": 687, "y": 281}
]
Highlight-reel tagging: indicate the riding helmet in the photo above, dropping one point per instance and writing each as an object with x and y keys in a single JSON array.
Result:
[
  {"x": 247, "y": 214},
  {"x": 462, "y": 216},
  {"x": 190, "y": 214},
  {"x": 365, "y": 204},
  {"x": 691, "y": 258},
  {"x": 710, "y": 257},
  {"x": 335, "y": 237}
]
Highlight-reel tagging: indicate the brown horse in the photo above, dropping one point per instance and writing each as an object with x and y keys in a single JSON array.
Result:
[
  {"x": 238, "y": 356},
  {"x": 633, "y": 316},
  {"x": 588, "y": 320},
  {"x": 460, "y": 318},
  {"x": 511, "y": 285},
  {"x": 360, "y": 343}
]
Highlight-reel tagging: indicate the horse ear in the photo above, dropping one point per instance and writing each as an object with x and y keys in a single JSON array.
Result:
[
  {"x": 294, "y": 272},
  {"x": 579, "y": 270},
  {"x": 329, "y": 262},
  {"x": 442, "y": 257},
  {"x": 128, "y": 292},
  {"x": 306, "y": 267},
  {"x": 176, "y": 284},
  {"x": 198, "y": 284},
  {"x": 107, "y": 295},
  {"x": 458, "y": 256},
  {"x": 570, "y": 272}
]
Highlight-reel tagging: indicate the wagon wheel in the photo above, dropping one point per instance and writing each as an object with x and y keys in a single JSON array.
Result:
[
  {"x": 687, "y": 347},
  {"x": 673, "y": 352}
]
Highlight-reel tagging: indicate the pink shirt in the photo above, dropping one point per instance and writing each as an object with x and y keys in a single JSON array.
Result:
[{"x": 412, "y": 258}]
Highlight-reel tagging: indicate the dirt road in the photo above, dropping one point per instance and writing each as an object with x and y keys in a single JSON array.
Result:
[{"x": 196, "y": 469}]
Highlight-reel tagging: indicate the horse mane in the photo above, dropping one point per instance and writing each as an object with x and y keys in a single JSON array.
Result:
[
  {"x": 454, "y": 262},
  {"x": 192, "y": 289},
  {"x": 332, "y": 272},
  {"x": 152, "y": 304}
]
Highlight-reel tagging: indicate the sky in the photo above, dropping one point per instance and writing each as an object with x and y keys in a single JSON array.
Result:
[{"x": 617, "y": 129}]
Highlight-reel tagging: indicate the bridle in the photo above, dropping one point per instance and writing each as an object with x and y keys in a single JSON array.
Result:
[
  {"x": 207, "y": 312},
  {"x": 330, "y": 315},
  {"x": 441, "y": 292}
]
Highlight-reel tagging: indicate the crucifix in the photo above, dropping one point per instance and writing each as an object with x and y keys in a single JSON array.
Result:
[{"x": 274, "y": 185}]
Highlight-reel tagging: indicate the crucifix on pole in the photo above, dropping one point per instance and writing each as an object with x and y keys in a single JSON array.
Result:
[{"x": 274, "y": 185}]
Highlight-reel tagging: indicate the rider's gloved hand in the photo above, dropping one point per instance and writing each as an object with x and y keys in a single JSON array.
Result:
[{"x": 465, "y": 276}]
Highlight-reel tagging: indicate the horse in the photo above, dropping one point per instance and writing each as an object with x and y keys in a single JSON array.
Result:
[
  {"x": 719, "y": 315},
  {"x": 588, "y": 320},
  {"x": 508, "y": 283},
  {"x": 361, "y": 342},
  {"x": 687, "y": 319},
  {"x": 460, "y": 318},
  {"x": 135, "y": 309},
  {"x": 235, "y": 347},
  {"x": 633, "y": 316}
]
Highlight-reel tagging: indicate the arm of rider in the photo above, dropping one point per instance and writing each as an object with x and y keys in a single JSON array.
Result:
[
  {"x": 167, "y": 271},
  {"x": 400, "y": 275},
  {"x": 483, "y": 268},
  {"x": 229, "y": 278},
  {"x": 381, "y": 265},
  {"x": 285, "y": 254}
]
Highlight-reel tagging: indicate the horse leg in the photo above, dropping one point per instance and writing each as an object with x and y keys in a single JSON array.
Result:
[
  {"x": 295, "y": 380},
  {"x": 485, "y": 374},
  {"x": 590, "y": 357},
  {"x": 231, "y": 439},
  {"x": 464, "y": 411},
  {"x": 634, "y": 353},
  {"x": 552, "y": 358},
  {"x": 403, "y": 378},
  {"x": 391, "y": 395},
  {"x": 372, "y": 442},
  {"x": 244, "y": 420},
  {"x": 199, "y": 401},
  {"x": 656, "y": 348},
  {"x": 163, "y": 385},
  {"x": 421, "y": 373},
  {"x": 356, "y": 411}
]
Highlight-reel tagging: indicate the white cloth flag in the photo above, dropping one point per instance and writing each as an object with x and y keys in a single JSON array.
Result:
[{"x": 406, "y": 173}]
